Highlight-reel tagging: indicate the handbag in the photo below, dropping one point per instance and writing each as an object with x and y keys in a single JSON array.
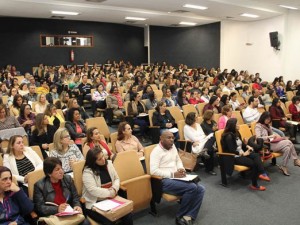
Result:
[
  {"x": 125, "y": 207},
  {"x": 62, "y": 220},
  {"x": 189, "y": 159}
]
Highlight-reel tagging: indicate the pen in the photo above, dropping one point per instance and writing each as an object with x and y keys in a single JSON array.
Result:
[
  {"x": 67, "y": 199},
  {"x": 17, "y": 219}
]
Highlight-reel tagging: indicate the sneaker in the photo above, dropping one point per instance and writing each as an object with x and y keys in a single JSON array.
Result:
[
  {"x": 258, "y": 188},
  {"x": 264, "y": 177}
]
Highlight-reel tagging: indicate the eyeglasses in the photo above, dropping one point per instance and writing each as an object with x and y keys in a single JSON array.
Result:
[{"x": 66, "y": 136}]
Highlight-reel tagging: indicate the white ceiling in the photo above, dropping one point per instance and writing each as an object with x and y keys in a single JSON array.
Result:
[{"x": 157, "y": 12}]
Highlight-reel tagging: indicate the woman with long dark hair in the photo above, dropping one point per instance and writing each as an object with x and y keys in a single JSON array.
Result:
[
  {"x": 26, "y": 118},
  {"x": 100, "y": 181},
  {"x": 232, "y": 143},
  {"x": 278, "y": 144}
]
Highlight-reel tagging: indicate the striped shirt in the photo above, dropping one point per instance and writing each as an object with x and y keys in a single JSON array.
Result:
[{"x": 24, "y": 166}]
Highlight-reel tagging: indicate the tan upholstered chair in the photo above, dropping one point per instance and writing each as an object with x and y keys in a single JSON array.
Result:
[{"x": 134, "y": 183}]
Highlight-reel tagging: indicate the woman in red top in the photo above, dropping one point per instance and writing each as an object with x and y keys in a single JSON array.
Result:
[
  {"x": 279, "y": 119},
  {"x": 94, "y": 139},
  {"x": 194, "y": 98},
  {"x": 293, "y": 108}
]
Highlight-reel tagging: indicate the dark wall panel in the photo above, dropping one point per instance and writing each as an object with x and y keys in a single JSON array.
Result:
[
  {"x": 194, "y": 46},
  {"x": 20, "y": 43}
]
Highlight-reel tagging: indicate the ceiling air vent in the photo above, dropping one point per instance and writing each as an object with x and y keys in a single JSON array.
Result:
[
  {"x": 97, "y": 1},
  {"x": 57, "y": 17},
  {"x": 174, "y": 25},
  {"x": 229, "y": 17},
  {"x": 180, "y": 11}
]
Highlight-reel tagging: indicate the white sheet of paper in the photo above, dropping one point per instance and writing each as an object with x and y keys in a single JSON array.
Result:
[
  {"x": 188, "y": 177},
  {"x": 69, "y": 209},
  {"x": 106, "y": 205}
]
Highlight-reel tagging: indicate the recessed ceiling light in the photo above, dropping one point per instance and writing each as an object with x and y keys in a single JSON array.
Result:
[
  {"x": 288, "y": 7},
  {"x": 65, "y": 13},
  {"x": 195, "y": 6},
  {"x": 249, "y": 15},
  {"x": 188, "y": 23},
  {"x": 134, "y": 18}
]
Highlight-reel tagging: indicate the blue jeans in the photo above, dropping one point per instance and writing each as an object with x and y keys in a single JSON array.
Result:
[{"x": 191, "y": 196}]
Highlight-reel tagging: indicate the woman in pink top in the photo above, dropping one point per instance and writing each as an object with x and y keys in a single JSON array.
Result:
[{"x": 226, "y": 115}]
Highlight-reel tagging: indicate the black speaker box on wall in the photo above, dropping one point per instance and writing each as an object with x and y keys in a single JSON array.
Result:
[{"x": 274, "y": 39}]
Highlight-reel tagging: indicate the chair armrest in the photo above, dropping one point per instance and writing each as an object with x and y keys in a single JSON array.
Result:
[
  {"x": 156, "y": 186},
  {"x": 225, "y": 154}
]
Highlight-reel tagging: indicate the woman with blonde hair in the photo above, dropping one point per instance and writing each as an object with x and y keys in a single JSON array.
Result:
[
  {"x": 43, "y": 133},
  {"x": 54, "y": 118},
  {"x": 65, "y": 149},
  {"x": 41, "y": 104},
  {"x": 20, "y": 159}
]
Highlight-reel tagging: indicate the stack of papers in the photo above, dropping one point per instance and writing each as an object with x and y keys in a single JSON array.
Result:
[{"x": 107, "y": 205}]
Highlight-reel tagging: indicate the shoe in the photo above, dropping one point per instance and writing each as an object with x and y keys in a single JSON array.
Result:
[
  {"x": 212, "y": 172},
  {"x": 284, "y": 170},
  {"x": 264, "y": 177},
  {"x": 297, "y": 162},
  {"x": 182, "y": 221},
  {"x": 259, "y": 188}
]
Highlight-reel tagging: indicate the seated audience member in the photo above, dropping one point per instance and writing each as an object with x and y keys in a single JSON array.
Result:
[
  {"x": 3, "y": 90},
  {"x": 257, "y": 94},
  {"x": 114, "y": 101},
  {"x": 165, "y": 162},
  {"x": 256, "y": 84},
  {"x": 232, "y": 143},
  {"x": 15, "y": 107},
  {"x": 213, "y": 104},
  {"x": 14, "y": 202},
  {"x": 294, "y": 108},
  {"x": 235, "y": 104},
  {"x": 267, "y": 97},
  {"x": 52, "y": 95},
  {"x": 53, "y": 117},
  {"x": 6, "y": 121},
  {"x": 64, "y": 98},
  {"x": 41, "y": 104},
  {"x": 32, "y": 95},
  {"x": 75, "y": 126},
  {"x": 100, "y": 181},
  {"x": 126, "y": 141},
  {"x": 85, "y": 90},
  {"x": 246, "y": 92},
  {"x": 151, "y": 102},
  {"x": 264, "y": 130},
  {"x": 99, "y": 98},
  {"x": 65, "y": 150},
  {"x": 26, "y": 118},
  {"x": 181, "y": 98},
  {"x": 73, "y": 103},
  {"x": 251, "y": 113},
  {"x": 43, "y": 133},
  {"x": 132, "y": 89},
  {"x": 135, "y": 108},
  {"x": 148, "y": 89},
  {"x": 277, "y": 114},
  {"x": 194, "y": 98},
  {"x": 163, "y": 118},
  {"x": 205, "y": 95},
  {"x": 208, "y": 124},
  {"x": 224, "y": 100},
  {"x": 202, "y": 143},
  {"x": 226, "y": 115},
  {"x": 168, "y": 98},
  {"x": 21, "y": 160},
  {"x": 11, "y": 94},
  {"x": 43, "y": 89},
  {"x": 57, "y": 188},
  {"x": 93, "y": 139}
]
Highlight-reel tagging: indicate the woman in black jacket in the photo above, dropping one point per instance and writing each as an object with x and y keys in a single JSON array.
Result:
[
  {"x": 56, "y": 188},
  {"x": 75, "y": 126},
  {"x": 43, "y": 133},
  {"x": 231, "y": 143}
]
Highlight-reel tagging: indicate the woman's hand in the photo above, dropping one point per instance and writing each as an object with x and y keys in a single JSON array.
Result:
[
  {"x": 246, "y": 153},
  {"x": 26, "y": 179},
  {"x": 62, "y": 207},
  {"x": 77, "y": 208},
  {"x": 45, "y": 146},
  {"x": 13, "y": 187}
]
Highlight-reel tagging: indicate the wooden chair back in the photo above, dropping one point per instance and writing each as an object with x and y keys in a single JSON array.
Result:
[
  {"x": 180, "y": 126},
  {"x": 38, "y": 151},
  {"x": 33, "y": 177},
  {"x": 176, "y": 113},
  {"x": 189, "y": 108}
]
